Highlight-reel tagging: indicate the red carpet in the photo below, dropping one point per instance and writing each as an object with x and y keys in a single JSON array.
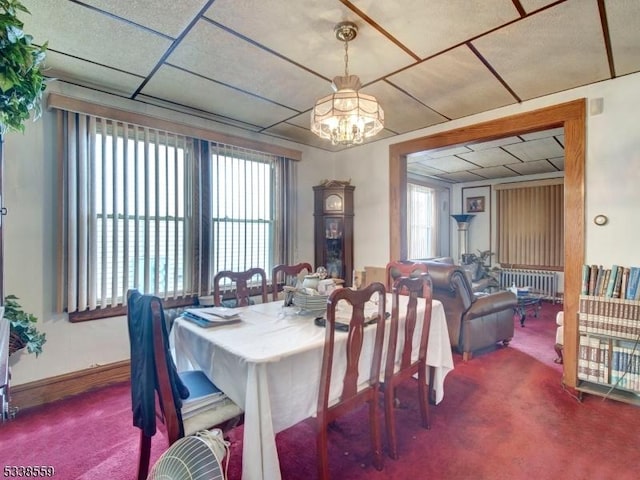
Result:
[{"x": 505, "y": 415}]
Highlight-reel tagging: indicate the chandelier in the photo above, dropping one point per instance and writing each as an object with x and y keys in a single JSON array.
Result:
[{"x": 346, "y": 117}]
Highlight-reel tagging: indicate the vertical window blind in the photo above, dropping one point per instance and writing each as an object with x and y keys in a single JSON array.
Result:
[
  {"x": 162, "y": 212},
  {"x": 531, "y": 224}
]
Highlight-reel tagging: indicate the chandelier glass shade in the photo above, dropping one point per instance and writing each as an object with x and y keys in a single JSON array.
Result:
[{"x": 347, "y": 116}]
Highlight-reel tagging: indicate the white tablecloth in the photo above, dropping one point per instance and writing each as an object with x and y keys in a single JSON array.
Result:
[{"x": 269, "y": 364}]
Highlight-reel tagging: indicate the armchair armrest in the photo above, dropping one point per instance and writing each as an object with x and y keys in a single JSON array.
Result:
[{"x": 495, "y": 302}]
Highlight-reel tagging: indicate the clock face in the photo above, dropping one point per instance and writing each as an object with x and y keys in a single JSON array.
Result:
[{"x": 333, "y": 203}]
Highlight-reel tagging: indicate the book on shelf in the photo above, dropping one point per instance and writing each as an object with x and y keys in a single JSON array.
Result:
[
  {"x": 584, "y": 288},
  {"x": 617, "y": 288},
  {"x": 601, "y": 279},
  {"x": 625, "y": 281},
  {"x": 593, "y": 276},
  {"x": 612, "y": 281},
  {"x": 632, "y": 286}
]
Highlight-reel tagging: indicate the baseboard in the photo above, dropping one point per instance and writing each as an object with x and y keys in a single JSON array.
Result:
[{"x": 32, "y": 394}]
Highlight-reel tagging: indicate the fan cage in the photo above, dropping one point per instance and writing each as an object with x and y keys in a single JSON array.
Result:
[{"x": 195, "y": 457}]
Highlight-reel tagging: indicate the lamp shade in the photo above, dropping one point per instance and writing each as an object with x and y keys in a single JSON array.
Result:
[{"x": 347, "y": 116}]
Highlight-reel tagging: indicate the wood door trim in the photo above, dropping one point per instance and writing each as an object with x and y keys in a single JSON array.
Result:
[{"x": 572, "y": 117}]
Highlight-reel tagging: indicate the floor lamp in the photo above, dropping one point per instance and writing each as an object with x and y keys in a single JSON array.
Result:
[{"x": 463, "y": 235}]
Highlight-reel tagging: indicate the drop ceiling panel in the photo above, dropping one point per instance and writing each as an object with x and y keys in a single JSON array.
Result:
[
  {"x": 260, "y": 72},
  {"x": 190, "y": 90},
  {"x": 303, "y": 32},
  {"x": 88, "y": 34},
  {"x": 402, "y": 113},
  {"x": 447, "y": 164},
  {"x": 535, "y": 149},
  {"x": 553, "y": 50},
  {"x": 489, "y": 158},
  {"x": 530, "y": 168},
  {"x": 72, "y": 69},
  {"x": 223, "y": 124},
  {"x": 533, "y": 5},
  {"x": 427, "y": 28},
  {"x": 419, "y": 169},
  {"x": 455, "y": 84},
  {"x": 558, "y": 163},
  {"x": 459, "y": 177},
  {"x": 624, "y": 18},
  {"x": 165, "y": 16},
  {"x": 494, "y": 172}
]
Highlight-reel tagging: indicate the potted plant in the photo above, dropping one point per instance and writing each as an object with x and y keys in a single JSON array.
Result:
[{"x": 23, "y": 332}]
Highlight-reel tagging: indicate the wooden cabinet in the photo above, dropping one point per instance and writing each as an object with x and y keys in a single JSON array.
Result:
[{"x": 333, "y": 225}]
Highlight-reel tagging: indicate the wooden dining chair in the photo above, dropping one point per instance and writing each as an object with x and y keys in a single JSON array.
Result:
[
  {"x": 399, "y": 364},
  {"x": 158, "y": 391},
  {"x": 357, "y": 387},
  {"x": 241, "y": 289},
  {"x": 403, "y": 268},
  {"x": 286, "y": 271}
]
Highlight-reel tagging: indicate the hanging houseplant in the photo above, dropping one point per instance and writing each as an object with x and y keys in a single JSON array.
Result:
[
  {"x": 21, "y": 86},
  {"x": 21, "y": 79}
]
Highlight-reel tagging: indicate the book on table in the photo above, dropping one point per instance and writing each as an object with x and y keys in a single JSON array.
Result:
[{"x": 211, "y": 316}]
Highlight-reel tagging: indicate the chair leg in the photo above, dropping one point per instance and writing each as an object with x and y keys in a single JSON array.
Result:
[
  {"x": 376, "y": 439},
  {"x": 144, "y": 454},
  {"x": 323, "y": 454},
  {"x": 390, "y": 420},
  {"x": 466, "y": 356},
  {"x": 423, "y": 397}
]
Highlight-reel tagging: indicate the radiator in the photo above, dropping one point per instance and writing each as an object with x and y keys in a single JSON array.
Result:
[{"x": 539, "y": 281}]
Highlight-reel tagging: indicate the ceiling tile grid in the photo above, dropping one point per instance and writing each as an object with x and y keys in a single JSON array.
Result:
[{"x": 260, "y": 66}]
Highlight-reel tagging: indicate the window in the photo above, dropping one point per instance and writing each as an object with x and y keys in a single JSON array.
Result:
[
  {"x": 140, "y": 211},
  {"x": 421, "y": 221},
  {"x": 163, "y": 212},
  {"x": 242, "y": 208},
  {"x": 531, "y": 224}
]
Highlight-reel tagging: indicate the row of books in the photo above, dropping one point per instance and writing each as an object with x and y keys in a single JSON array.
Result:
[
  {"x": 611, "y": 362},
  {"x": 615, "y": 282},
  {"x": 609, "y": 316}
]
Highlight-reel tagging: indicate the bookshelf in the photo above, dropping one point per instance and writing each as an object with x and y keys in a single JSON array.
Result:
[{"x": 609, "y": 348}]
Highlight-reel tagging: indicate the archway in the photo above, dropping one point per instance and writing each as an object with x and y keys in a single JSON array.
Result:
[{"x": 572, "y": 117}]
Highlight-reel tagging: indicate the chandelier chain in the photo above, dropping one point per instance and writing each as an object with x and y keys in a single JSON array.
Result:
[{"x": 346, "y": 58}]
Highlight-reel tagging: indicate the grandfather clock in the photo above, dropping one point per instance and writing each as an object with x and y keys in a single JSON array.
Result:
[{"x": 333, "y": 215}]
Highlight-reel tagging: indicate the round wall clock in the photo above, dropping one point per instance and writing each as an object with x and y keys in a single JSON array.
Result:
[
  {"x": 333, "y": 203},
  {"x": 600, "y": 220}
]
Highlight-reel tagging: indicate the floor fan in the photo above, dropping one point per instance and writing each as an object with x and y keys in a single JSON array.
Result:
[{"x": 195, "y": 457}]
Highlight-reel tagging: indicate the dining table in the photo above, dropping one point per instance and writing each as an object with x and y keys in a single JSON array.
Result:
[{"x": 269, "y": 363}]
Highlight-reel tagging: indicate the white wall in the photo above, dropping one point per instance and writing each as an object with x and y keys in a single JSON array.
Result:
[{"x": 612, "y": 179}]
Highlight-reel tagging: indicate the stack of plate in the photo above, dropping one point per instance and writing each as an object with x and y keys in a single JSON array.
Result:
[{"x": 312, "y": 303}]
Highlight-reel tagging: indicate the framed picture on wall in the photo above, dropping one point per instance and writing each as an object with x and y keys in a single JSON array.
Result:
[{"x": 475, "y": 204}]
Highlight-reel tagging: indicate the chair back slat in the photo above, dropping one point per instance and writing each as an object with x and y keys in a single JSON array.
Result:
[
  {"x": 403, "y": 268},
  {"x": 286, "y": 271},
  {"x": 242, "y": 290}
]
